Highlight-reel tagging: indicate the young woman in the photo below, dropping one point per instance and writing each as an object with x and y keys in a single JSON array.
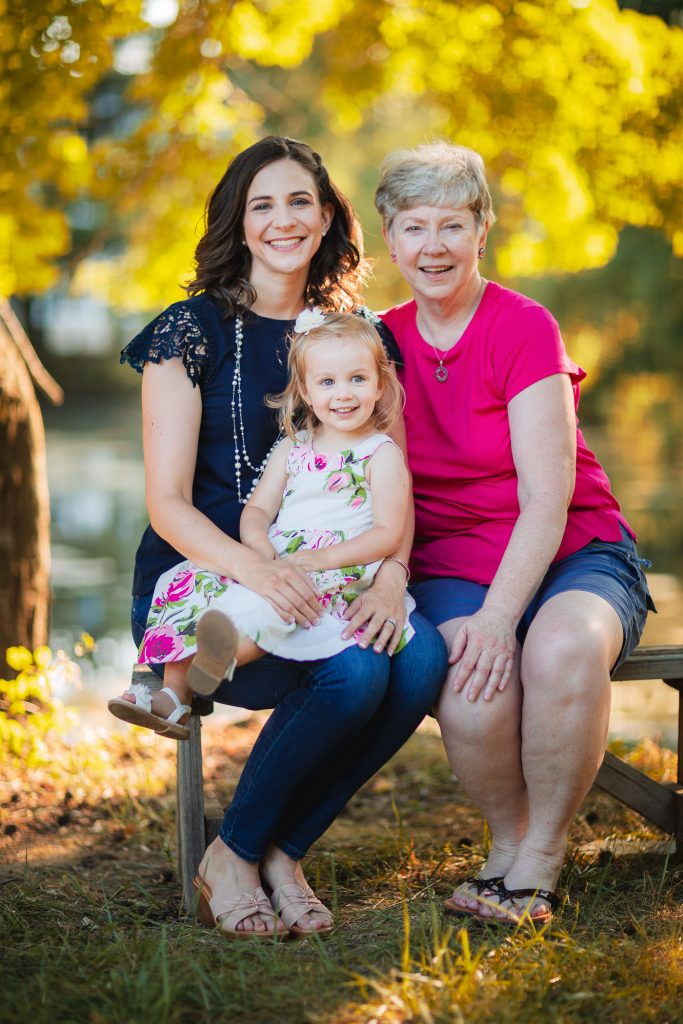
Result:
[
  {"x": 333, "y": 499},
  {"x": 279, "y": 236}
]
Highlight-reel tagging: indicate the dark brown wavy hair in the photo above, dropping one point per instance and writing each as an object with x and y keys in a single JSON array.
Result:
[{"x": 223, "y": 263}]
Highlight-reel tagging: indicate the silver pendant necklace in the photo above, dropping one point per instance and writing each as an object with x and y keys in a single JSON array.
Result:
[
  {"x": 242, "y": 459},
  {"x": 441, "y": 373}
]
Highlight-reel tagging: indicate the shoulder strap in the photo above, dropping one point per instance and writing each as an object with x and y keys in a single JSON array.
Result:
[{"x": 367, "y": 448}]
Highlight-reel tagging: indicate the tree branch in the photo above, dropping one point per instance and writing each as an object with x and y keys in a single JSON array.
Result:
[{"x": 41, "y": 377}]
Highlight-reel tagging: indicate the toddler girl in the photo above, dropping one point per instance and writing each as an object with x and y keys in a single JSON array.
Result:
[{"x": 333, "y": 498}]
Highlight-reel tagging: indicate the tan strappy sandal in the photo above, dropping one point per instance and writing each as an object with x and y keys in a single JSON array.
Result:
[
  {"x": 291, "y": 902},
  {"x": 226, "y": 913}
]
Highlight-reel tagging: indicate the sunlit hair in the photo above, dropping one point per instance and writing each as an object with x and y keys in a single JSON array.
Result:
[
  {"x": 435, "y": 174},
  {"x": 223, "y": 262},
  {"x": 295, "y": 413}
]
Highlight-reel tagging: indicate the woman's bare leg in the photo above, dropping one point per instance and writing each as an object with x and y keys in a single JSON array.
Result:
[
  {"x": 571, "y": 645},
  {"x": 482, "y": 741},
  {"x": 279, "y": 869},
  {"x": 228, "y": 875}
]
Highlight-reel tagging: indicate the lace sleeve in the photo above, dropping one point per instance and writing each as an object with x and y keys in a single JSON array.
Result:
[{"x": 175, "y": 333}]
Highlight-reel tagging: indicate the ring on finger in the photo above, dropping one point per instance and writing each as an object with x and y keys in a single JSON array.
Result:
[{"x": 392, "y": 622}]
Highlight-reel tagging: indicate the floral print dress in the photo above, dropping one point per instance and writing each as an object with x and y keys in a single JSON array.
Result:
[{"x": 327, "y": 500}]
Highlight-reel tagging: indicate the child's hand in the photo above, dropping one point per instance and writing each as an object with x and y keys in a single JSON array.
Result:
[
  {"x": 309, "y": 561},
  {"x": 263, "y": 548}
]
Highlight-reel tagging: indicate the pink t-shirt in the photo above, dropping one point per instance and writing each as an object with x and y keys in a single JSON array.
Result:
[{"x": 459, "y": 447}]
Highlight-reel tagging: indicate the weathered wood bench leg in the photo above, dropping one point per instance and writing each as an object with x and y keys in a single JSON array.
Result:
[
  {"x": 678, "y": 811},
  {"x": 190, "y": 810}
]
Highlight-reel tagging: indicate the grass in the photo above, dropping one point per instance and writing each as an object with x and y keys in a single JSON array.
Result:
[{"x": 92, "y": 931}]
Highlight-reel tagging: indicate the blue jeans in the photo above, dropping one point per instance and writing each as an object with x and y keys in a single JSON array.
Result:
[{"x": 335, "y": 723}]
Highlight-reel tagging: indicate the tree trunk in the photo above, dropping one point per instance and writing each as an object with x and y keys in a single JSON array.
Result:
[{"x": 24, "y": 500}]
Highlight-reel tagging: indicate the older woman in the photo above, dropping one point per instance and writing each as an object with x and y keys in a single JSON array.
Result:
[{"x": 522, "y": 557}]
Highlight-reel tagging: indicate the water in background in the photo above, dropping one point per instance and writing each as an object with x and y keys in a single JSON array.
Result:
[{"x": 98, "y": 514}]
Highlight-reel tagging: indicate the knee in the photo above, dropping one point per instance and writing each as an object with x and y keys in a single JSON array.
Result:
[
  {"x": 566, "y": 662},
  {"x": 480, "y": 721},
  {"x": 359, "y": 678}
]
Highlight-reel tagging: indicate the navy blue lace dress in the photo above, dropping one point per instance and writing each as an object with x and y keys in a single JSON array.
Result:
[{"x": 196, "y": 331}]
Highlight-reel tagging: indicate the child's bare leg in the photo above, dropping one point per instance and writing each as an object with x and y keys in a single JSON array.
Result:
[
  {"x": 248, "y": 651},
  {"x": 175, "y": 678},
  {"x": 220, "y": 649}
]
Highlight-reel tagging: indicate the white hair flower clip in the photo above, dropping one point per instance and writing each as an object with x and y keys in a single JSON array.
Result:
[{"x": 308, "y": 319}]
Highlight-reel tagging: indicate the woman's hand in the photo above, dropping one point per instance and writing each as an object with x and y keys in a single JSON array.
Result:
[
  {"x": 287, "y": 588},
  {"x": 380, "y": 610},
  {"x": 484, "y": 650}
]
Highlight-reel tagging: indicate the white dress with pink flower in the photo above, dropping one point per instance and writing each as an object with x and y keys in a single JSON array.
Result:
[{"x": 328, "y": 490}]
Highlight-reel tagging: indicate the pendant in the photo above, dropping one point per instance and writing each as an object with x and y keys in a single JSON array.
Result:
[{"x": 441, "y": 373}]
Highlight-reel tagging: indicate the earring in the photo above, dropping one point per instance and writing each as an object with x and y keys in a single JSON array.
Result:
[
  {"x": 393, "y": 257},
  {"x": 243, "y": 242},
  {"x": 482, "y": 252}
]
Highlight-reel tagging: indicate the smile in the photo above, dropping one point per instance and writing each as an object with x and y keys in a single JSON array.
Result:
[
  {"x": 346, "y": 411},
  {"x": 284, "y": 244},
  {"x": 435, "y": 270}
]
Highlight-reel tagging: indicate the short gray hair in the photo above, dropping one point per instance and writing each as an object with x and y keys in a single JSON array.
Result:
[{"x": 434, "y": 174}]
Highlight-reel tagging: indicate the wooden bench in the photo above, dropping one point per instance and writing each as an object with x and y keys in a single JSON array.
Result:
[{"x": 658, "y": 802}]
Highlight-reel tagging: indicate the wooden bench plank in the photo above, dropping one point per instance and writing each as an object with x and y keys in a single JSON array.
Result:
[
  {"x": 634, "y": 789},
  {"x": 653, "y": 663}
]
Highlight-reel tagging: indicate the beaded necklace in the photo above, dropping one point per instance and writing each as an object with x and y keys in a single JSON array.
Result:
[{"x": 241, "y": 456}]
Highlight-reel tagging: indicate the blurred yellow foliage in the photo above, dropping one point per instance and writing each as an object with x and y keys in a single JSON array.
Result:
[
  {"x": 647, "y": 414},
  {"x": 29, "y": 713},
  {"x": 574, "y": 105}
]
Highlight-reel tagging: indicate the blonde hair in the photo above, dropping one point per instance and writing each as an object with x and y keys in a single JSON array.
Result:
[
  {"x": 435, "y": 174},
  {"x": 295, "y": 413}
]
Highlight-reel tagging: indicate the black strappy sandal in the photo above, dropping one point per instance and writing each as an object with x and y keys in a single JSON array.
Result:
[
  {"x": 511, "y": 918},
  {"x": 480, "y": 886}
]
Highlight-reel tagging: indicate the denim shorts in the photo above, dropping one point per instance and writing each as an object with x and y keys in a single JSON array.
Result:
[{"x": 610, "y": 569}]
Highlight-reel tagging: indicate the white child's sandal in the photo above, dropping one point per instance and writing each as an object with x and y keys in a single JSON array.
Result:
[{"x": 140, "y": 712}]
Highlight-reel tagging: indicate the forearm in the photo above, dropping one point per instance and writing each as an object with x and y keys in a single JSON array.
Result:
[
  {"x": 371, "y": 546},
  {"x": 254, "y": 525},
  {"x": 392, "y": 569},
  {"x": 533, "y": 544},
  {"x": 406, "y": 544},
  {"x": 191, "y": 533}
]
